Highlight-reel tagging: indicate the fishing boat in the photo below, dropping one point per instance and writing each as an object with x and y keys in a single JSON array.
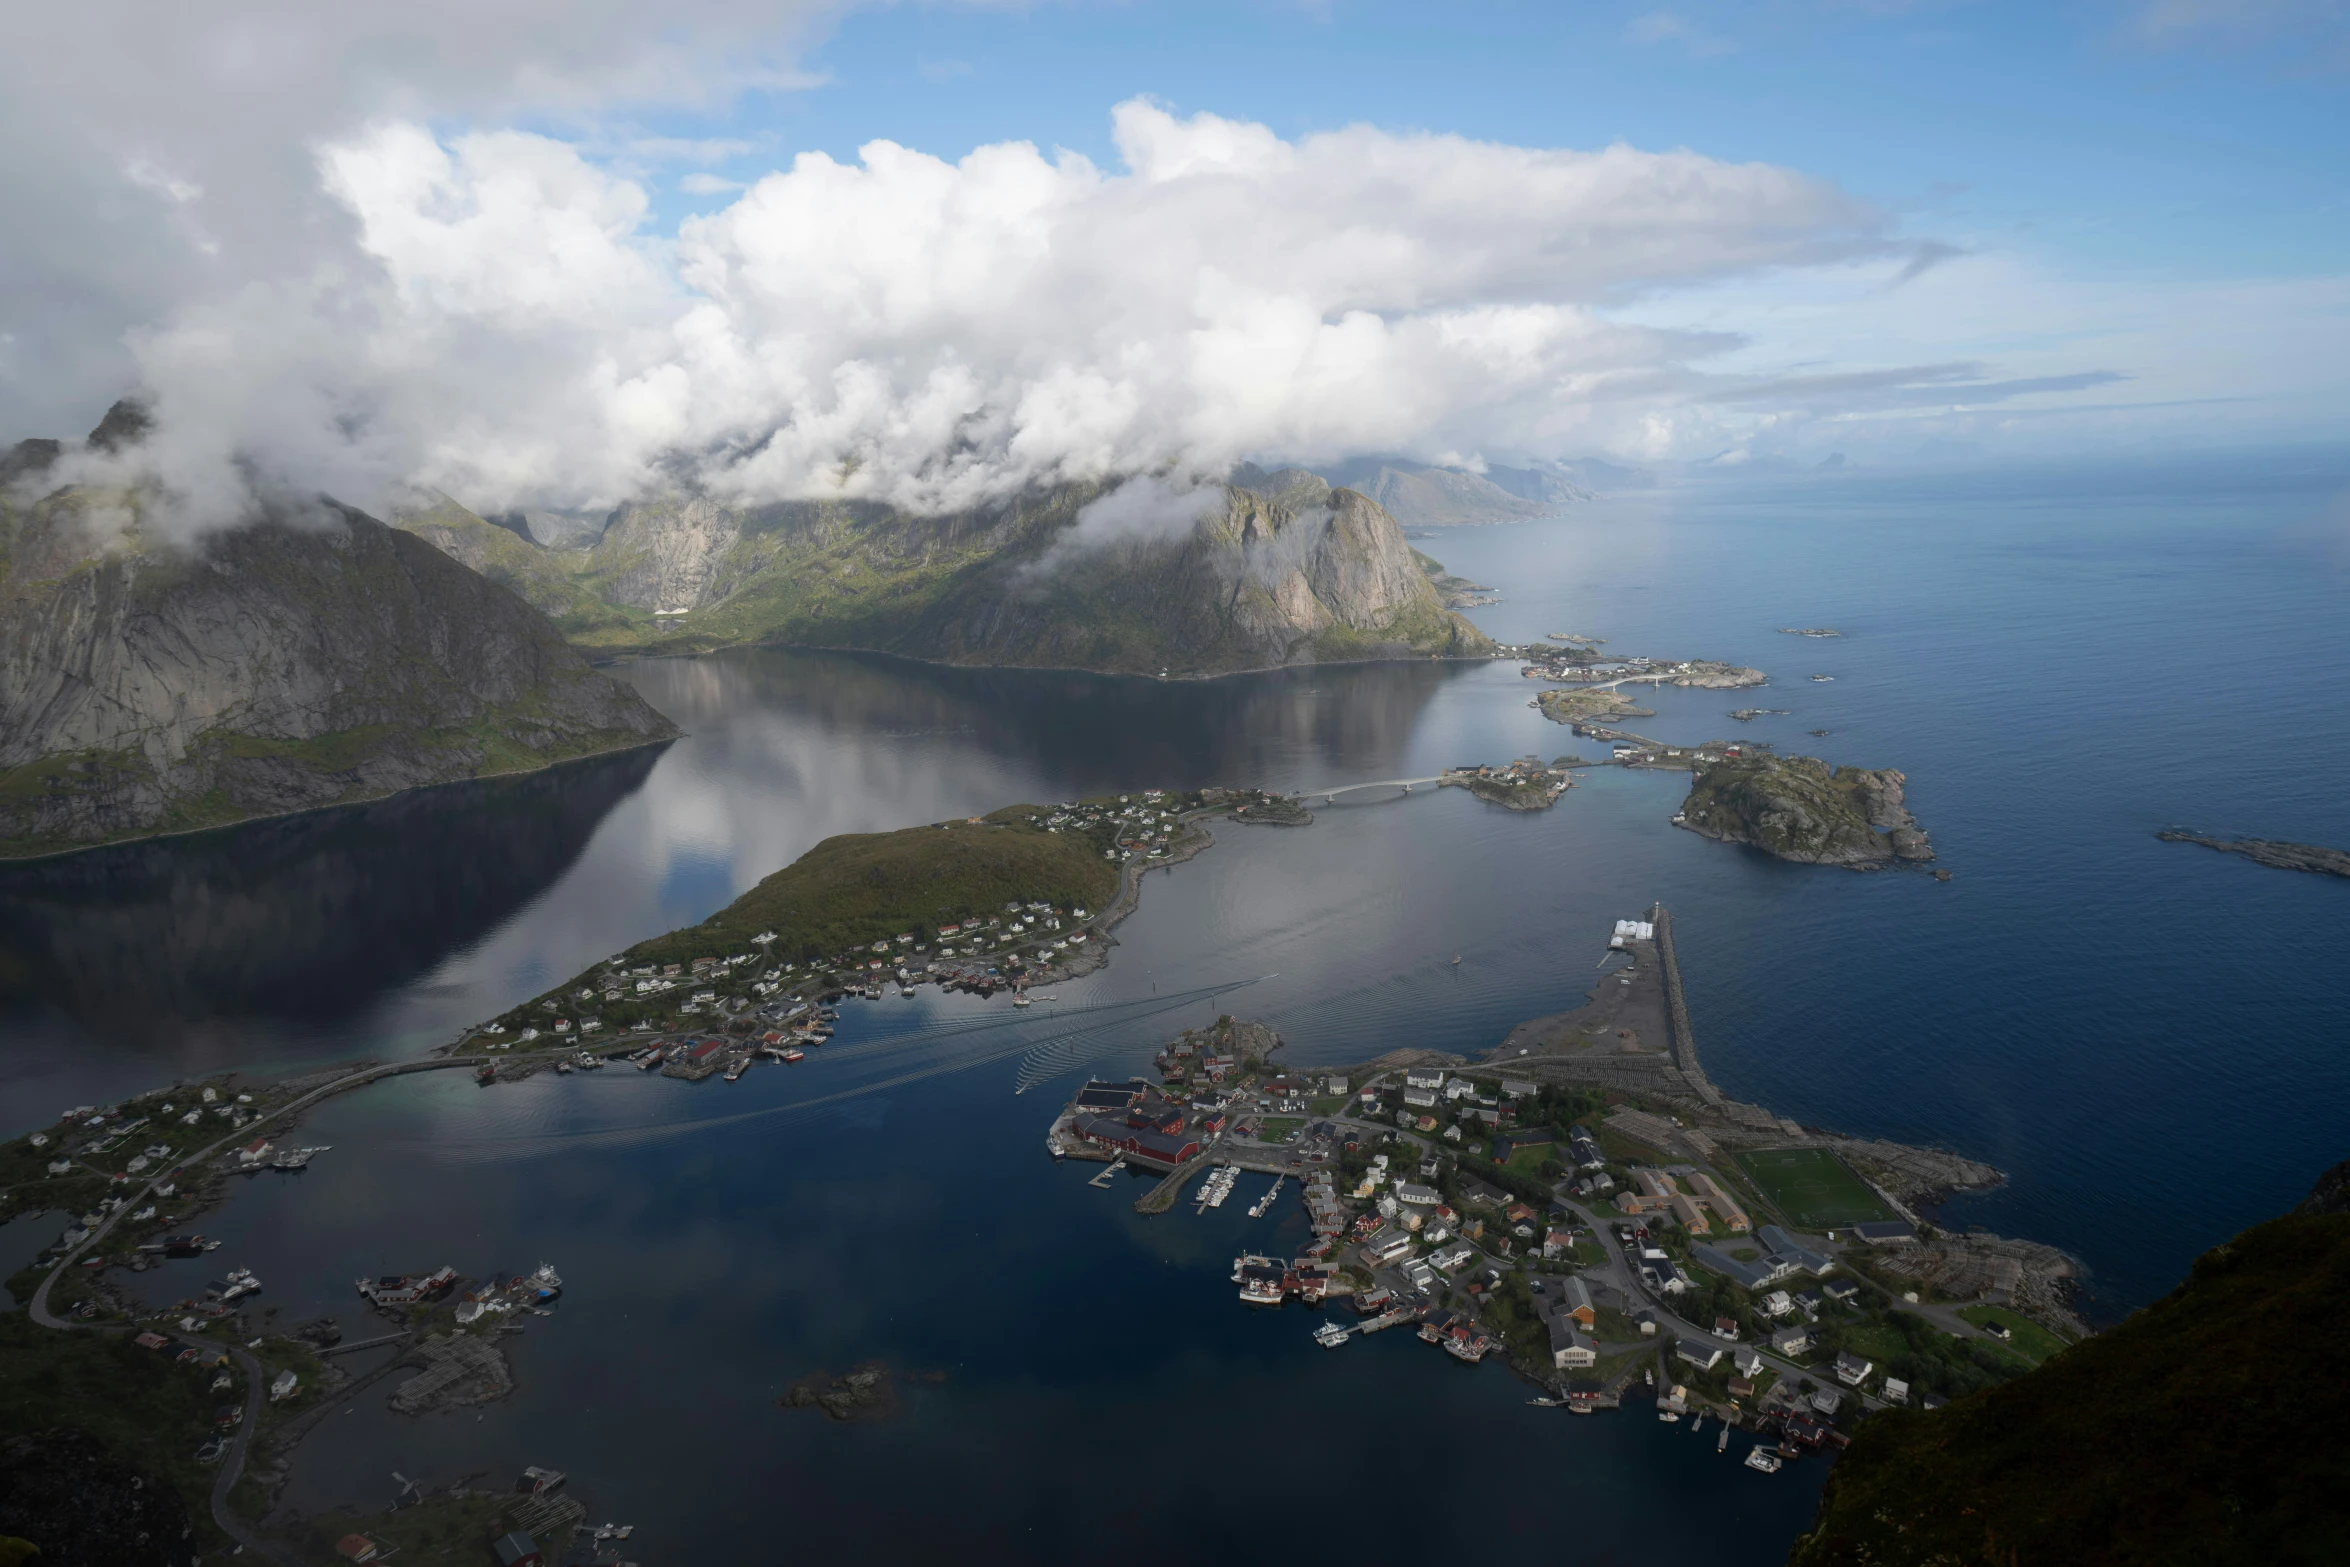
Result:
[
  {"x": 1020, "y": 1001},
  {"x": 589, "y": 1061},
  {"x": 1330, "y": 1335},
  {"x": 1764, "y": 1459},
  {"x": 486, "y": 1074},
  {"x": 734, "y": 1073},
  {"x": 1544, "y": 1403},
  {"x": 794, "y": 1055},
  {"x": 1668, "y": 1417},
  {"x": 544, "y": 1282}
]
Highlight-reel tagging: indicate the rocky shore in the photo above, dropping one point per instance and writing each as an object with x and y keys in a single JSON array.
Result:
[
  {"x": 2270, "y": 851},
  {"x": 1800, "y": 808}
]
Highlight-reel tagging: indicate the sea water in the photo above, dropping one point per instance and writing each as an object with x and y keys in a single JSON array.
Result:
[{"x": 2144, "y": 1035}]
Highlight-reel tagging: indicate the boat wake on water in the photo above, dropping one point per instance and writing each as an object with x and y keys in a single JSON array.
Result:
[{"x": 924, "y": 1053}]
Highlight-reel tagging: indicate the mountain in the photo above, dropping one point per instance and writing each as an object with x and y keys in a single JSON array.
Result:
[
  {"x": 1421, "y": 495},
  {"x": 310, "y": 657},
  {"x": 1598, "y": 473},
  {"x": 2185, "y": 1434},
  {"x": 1300, "y": 573}
]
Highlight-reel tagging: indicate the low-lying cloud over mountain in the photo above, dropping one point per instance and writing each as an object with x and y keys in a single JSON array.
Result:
[
  {"x": 931, "y": 333},
  {"x": 309, "y": 238}
]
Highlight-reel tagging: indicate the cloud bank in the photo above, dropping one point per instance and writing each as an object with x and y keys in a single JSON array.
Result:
[{"x": 498, "y": 320}]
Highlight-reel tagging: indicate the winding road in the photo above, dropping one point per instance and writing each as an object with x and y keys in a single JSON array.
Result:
[{"x": 232, "y": 1460}]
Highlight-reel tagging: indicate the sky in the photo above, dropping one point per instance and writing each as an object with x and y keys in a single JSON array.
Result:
[{"x": 535, "y": 253}]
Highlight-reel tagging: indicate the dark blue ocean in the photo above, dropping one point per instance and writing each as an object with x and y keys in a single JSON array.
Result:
[{"x": 2146, "y": 1036}]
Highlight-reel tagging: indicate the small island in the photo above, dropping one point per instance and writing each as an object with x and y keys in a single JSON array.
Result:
[
  {"x": 2272, "y": 852},
  {"x": 1523, "y": 785},
  {"x": 1800, "y": 808}
]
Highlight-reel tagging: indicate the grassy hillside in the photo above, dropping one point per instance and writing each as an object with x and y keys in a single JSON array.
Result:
[
  {"x": 828, "y": 907},
  {"x": 992, "y": 585},
  {"x": 864, "y": 887},
  {"x": 2193, "y": 1432}
]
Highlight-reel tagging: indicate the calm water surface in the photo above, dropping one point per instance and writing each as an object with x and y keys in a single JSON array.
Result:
[{"x": 2059, "y": 669}]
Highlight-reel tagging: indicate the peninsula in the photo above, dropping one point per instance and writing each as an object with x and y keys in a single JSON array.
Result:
[{"x": 1584, "y": 1204}]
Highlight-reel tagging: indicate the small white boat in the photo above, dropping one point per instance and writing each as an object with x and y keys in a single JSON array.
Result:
[
  {"x": 1668, "y": 1417},
  {"x": 1020, "y": 1001},
  {"x": 1330, "y": 1335},
  {"x": 1764, "y": 1459}
]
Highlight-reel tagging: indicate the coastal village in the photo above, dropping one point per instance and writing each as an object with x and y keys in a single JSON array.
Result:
[
  {"x": 1581, "y": 1206},
  {"x": 1610, "y": 1251}
]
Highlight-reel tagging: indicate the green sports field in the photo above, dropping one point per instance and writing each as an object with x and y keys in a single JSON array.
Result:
[{"x": 1811, "y": 1187}]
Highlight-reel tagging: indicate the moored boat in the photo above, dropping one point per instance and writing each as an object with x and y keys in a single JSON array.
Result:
[{"x": 1763, "y": 1459}]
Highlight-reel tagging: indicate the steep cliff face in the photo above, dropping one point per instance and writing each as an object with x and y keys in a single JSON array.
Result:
[
  {"x": 290, "y": 663},
  {"x": 1294, "y": 573},
  {"x": 1799, "y": 808}
]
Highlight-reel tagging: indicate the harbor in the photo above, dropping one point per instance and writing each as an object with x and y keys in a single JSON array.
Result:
[{"x": 1561, "y": 1206}]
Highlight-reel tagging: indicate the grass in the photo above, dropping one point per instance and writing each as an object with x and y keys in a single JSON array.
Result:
[
  {"x": 1811, "y": 1187},
  {"x": 1532, "y": 1159},
  {"x": 1278, "y": 1128},
  {"x": 860, "y": 888},
  {"x": 144, "y": 1408},
  {"x": 442, "y": 1529},
  {"x": 2032, "y": 1341}
]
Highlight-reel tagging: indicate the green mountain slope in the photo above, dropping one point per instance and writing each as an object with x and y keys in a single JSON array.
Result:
[
  {"x": 2194, "y": 1432},
  {"x": 1306, "y": 576}
]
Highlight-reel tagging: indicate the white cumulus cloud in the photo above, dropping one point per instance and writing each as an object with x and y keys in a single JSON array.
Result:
[{"x": 936, "y": 333}]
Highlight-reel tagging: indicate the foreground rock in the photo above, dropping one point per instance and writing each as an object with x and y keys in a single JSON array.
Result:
[
  {"x": 1800, "y": 808},
  {"x": 2165, "y": 1439},
  {"x": 2269, "y": 851},
  {"x": 303, "y": 659},
  {"x": 61, "y": 1492}
]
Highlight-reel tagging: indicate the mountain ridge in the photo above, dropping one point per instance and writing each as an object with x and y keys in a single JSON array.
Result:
[
  {"x": 310, "y": 656},
  {"x": 1309, "y": 575}
]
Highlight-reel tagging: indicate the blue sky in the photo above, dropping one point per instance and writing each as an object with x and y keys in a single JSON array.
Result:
[{"x": 2210, "y": 150}]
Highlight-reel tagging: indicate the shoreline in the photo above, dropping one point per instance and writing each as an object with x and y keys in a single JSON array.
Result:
[
  {"x": 627, "y": 655},
  {"x": 7, "y": 859}
]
